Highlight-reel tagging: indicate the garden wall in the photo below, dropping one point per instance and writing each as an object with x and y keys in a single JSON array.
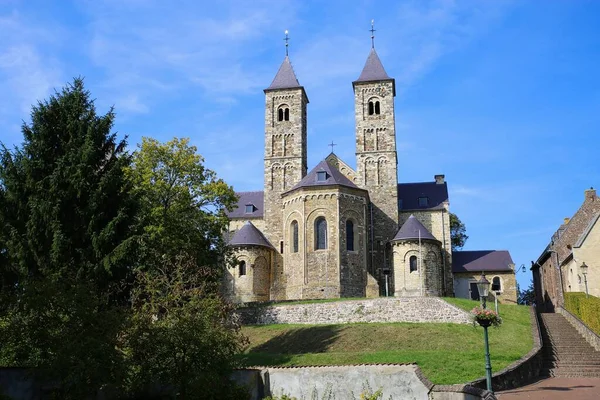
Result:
[
  {"x": 396, "y": 381},
  {"x": 401, "y": 309}
]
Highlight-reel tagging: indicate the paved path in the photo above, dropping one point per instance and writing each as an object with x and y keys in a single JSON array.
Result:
[{"x": 556, "y": 389}]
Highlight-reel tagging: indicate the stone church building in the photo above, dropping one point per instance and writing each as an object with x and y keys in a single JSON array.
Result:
[{"x": 338, "y": 232}]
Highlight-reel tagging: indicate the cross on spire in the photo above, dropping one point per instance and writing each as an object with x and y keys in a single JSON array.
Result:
[
  {"x": 332, "y": 144},
  {"x": 286, "y": 42},
  {"x": 372, "y": 30}
]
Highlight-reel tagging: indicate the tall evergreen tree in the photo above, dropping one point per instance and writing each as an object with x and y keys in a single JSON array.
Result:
[
  {"x": 66, "y": 245},
  {"x": 66, "y": 207}
]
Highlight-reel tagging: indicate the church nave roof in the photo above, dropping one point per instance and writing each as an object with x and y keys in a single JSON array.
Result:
[{"x": 324, "y": 174}]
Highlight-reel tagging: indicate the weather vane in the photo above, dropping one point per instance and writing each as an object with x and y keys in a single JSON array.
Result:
[
  {"x": 372, "y": 30},
  {"x": 332, "y": 144},
  {"x": 286, "y": 42}
]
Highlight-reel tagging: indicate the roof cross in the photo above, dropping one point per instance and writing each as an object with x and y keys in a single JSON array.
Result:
[
  {"x": 286, "y": 42},
  {"x": 332, "y": 144},
  {"x": 372, "y": 30}
]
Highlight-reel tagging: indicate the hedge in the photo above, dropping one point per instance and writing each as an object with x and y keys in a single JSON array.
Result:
[{"x": 586, "y": 309}]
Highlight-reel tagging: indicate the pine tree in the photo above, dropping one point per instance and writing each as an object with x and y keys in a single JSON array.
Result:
[
  {"x": 65, "y": 204},
  {"x": 67, "y": 245}
]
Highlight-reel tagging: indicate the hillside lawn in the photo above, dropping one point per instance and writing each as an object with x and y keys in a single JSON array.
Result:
[{"x": 446, "y": 353}]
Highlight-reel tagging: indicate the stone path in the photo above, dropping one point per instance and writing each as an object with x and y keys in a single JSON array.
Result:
[{"x": 556, "y": 389}]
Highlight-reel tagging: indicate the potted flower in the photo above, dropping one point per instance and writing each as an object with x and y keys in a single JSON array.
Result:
[{"x": 485, "y": 317}]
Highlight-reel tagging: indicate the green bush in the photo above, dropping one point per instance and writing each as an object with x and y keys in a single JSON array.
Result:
[{"x": 585, "y": 308}]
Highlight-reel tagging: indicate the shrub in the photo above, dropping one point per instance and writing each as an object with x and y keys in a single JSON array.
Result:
[{"x": 587, "y": 309}]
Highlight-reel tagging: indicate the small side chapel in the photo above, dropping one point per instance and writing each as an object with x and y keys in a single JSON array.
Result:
[{"x": 334, "y": 231}]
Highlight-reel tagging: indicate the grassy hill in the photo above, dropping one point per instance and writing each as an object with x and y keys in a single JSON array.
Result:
[{"x": 446, "y": 353}]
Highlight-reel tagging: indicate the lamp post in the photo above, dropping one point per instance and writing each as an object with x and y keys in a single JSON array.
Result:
[
  {"x": 483, "y": 287},
  {"x": 584, "y": 269}
]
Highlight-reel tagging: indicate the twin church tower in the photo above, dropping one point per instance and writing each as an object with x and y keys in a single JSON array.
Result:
[{"x": 334, "y": 231}]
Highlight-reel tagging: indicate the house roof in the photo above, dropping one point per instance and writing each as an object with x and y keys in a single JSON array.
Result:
[
  {"x": 481, "y": 261},
  {"x": 249, "y": 235},
  {"x": 247, "y": 198},
  {"x": 587, "y": 231},
  {"x": 333, "y": 177},
  {"x": 409, "y": 193},
  {"x": 373, "y": 69},
  {"x": 413, "y": 229},
  {"x": 285, "y": 78}
]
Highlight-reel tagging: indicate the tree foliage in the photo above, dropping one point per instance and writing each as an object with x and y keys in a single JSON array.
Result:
[
  {"x": 107, "y": 267},
  {"x": 183, "y": 202},
  {"x": 67, "y": 214},
  {"x": 458, "y": 232},
  {"x": 527, "y": 296}
]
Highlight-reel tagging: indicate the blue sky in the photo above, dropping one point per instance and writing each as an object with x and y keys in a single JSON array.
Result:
[{"x": 503, "y": 97}]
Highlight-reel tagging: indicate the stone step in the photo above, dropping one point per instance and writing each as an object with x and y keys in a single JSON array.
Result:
[{"x": 569, "y": 372}]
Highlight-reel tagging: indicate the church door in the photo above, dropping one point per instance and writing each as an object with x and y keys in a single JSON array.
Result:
[{"x": 473, "y": 290}]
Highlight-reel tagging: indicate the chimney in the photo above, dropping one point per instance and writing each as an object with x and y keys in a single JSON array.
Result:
[
  {"x": 566, "y": 220},
  {"x": 590, "y": 193},
  {"x": 439, "y": 179}
]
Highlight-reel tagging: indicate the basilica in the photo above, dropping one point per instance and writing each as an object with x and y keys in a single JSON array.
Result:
[{"x": 335, "y": 231}]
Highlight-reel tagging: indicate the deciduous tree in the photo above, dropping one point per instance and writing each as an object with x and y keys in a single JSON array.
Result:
[{"x": 458, "y": 232}]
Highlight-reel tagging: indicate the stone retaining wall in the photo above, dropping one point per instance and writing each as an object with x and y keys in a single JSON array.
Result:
[
  {"x": 396, "y": 381},
  {"x": 402, "y": 309},
  {"x": 523, "y": 371},
  {"x": 590, "y": 336}
]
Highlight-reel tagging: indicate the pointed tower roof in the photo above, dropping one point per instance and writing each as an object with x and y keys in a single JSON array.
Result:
[
  {"x": 285, "y": 78},
  {"x": 410, "y": 231},
  {"x": 373, "y": 70},
  {"x": 331, "y": 176},
  {"x": 250, "y": 235}
]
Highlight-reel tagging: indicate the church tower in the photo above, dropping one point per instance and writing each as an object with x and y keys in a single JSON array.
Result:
[
  {"x": 285, "y": 155},
  {"x": 376, "y": 158}
]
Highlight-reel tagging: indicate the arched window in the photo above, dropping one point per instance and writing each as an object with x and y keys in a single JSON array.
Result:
[
  {"x": 242, "y": 268},
  {"x": 320, "y": 234},
  {"x": 294, "y": 235},
  {"x": 283, "y": 113},
  {"x": 413, "y": 264},
  {"x": 377, "y": 108},
  {"x": 496, "y": 285},
  {"x": 371, "y": 108},
  {"x": 349, "y": 235}
]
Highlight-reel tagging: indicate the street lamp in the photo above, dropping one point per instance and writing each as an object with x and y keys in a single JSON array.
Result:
[
  {"x": 483, "y": 287},
  {"x": 584, "y": 269}
]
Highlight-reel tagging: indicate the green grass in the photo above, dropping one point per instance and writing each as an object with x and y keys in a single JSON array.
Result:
[{"x": 446, "y": 353}]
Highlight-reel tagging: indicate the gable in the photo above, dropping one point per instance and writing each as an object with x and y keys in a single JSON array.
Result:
[{"x": 341, "y": 166}]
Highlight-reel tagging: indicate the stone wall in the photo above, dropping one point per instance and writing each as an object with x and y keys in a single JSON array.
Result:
[
  {"x": 508, "y": 284},
  {"x": 406, "y": 309},
  {"x": 377, "y": 166},
  {"x": 396, "y": 381},
  {"x": 255, "y": 283},
  {"x": 590, "y": 336},
  {"x": 427, "y": 280},
  {"x": 437, "y": 223}
]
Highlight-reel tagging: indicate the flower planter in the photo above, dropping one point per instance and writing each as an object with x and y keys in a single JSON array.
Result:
[{"x": 484, "y": 322}]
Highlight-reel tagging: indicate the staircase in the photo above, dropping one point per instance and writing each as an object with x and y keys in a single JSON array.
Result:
[{"x": 566, "y": 353}]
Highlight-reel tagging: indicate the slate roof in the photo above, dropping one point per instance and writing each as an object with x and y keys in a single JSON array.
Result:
[
  {"x": 254, "y": 198},
  {"x": 285, "y": 78},
  {"x": 249, "y": 235},
  {"x": 334, "y": 177},
  {"x": 409, "y": 193},
  {"x": 587, "y": 231},
  {"x": 481, "y": 260},
  {"x": 413, "y": 229},
  {"x": 373, "y": 69}
]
